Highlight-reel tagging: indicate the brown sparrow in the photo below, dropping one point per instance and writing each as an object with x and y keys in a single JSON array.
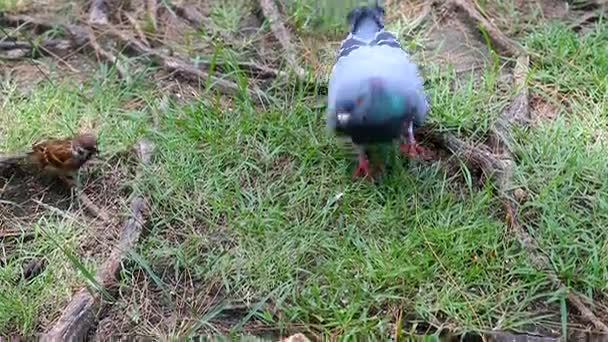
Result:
[{"x": 64, "y": 156}]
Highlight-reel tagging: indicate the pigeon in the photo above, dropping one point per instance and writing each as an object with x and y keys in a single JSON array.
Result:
[{"x": 375, "y": 94}]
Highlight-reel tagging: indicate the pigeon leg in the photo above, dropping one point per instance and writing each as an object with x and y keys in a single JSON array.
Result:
[
  {"x": 410, "y": 146},
  {"x": 363, "y": 168}
]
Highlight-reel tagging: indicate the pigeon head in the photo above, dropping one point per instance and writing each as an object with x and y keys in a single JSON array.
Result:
[{"x": 363, "y": 15}]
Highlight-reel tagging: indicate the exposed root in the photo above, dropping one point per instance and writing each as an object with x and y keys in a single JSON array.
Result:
[
  {"x": 501, "y": 170},
  {"x": 271, "y": 12},
  {"x": 504, "y": 43},
  {"x": 80, "y": 314}
]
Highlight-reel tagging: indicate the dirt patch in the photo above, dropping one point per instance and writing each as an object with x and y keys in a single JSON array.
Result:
[
  {"x": 28, "y": 195},
  {"x": 542, "y": 110},
  {"x": 453, "y": 40}
]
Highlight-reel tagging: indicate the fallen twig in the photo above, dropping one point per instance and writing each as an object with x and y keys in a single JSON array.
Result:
[
  {"x": 133, "y": 21},
  {"x": 586, "y": 18},
  {"x": 271, "y": 12},
  {"x": 504, "y": 43},
  {"x": 252, "y": 68},
  {"x": 81, "y": 312},
  {"x": 13, "y": 20}
]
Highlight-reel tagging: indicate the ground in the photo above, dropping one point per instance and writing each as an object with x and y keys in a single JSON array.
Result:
[{"x": 255, "y": 225}]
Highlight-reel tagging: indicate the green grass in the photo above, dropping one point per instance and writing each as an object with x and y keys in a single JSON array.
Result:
[
  {"x": 565, "y": 169},
  {"x": 256, "y": 208}
]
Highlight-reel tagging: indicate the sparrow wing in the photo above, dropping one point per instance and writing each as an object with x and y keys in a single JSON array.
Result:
[{"x": 55, "y": 153}]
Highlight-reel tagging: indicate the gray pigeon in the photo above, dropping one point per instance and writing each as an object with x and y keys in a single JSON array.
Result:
[{"x": 375, "y": 93}]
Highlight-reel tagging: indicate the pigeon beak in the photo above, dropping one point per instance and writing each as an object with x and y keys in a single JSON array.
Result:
[{"x": 343, "y": 118}]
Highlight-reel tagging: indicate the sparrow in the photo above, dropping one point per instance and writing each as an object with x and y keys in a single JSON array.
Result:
[{"x": 64, "y": 157}]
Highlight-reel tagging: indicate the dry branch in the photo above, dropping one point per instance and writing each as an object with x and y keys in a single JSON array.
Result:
[
  {"x": 80, "y": 313},
  {"x": 251, "y": 68},
  {"x": 519, "y": 111},
  {"x": 504, "y": 43},
  {"x": 501, "y": 171},
  {"x": 12, "y": 20},
  {"x": 271, "y": 12},
  {"x": 16, "y": 234}
]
